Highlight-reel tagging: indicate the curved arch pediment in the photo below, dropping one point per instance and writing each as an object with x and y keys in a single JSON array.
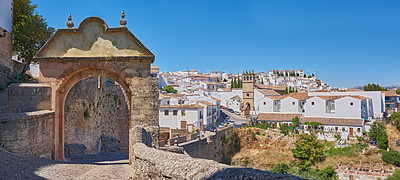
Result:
[{"x": 93, "y": 39}]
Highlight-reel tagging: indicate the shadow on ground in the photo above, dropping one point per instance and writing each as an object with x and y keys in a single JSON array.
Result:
[{"x": 20, "y": 167}]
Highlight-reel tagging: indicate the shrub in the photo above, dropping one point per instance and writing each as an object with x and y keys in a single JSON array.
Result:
[
  {"x": 337, "y": 136},
  {"x": 281, "y": 168},
  {"x": 86, "y": 113},
  {"x": 394, "y": 176},
  {"x": 253, "y": 136},
  {"x": 391, "y": 157},
  {"x": 284, "y": 129},
  {"x": 327, "y": 173}
]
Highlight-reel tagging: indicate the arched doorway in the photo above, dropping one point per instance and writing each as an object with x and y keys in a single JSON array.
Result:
[
  {"x": 94, "y": 49},
  {"x": 247, "y": 109},
  {"x": 61, "y": 95}
]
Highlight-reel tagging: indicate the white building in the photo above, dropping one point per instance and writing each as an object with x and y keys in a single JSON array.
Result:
[{"x": 181, "y": 116}]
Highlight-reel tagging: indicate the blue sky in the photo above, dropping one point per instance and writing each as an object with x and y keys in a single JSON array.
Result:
[{"x": 346, "y": 43}]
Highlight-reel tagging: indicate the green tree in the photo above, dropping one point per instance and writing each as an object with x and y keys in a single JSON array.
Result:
[
  {"x": 398, "y": 91},
  {"x": 374, "y": 87},
  {"x": 395, "y": 119},
  {"x": 169, "y": 89},
  {"x": 30, "y": 31},
  {"x": 286, "y": 91},
  {"x": 262, "y": 80},
  {"x": 391, "y": 157},
  {"x": 307, "y": 151},
  {"x": 281, "y": 168},
  {"x": 377, "y": 133},
  {"x": 394, "y": 176},
  {"x": 296, "y": 121}
]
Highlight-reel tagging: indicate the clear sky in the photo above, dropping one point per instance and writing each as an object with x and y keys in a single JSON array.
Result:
[{"x": 346, "y": 43}]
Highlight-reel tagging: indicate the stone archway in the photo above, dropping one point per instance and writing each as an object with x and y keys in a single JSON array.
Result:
[{"x": 94, "y": 49}]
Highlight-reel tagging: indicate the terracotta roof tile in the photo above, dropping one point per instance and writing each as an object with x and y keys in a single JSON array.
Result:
[
  {"x": 279, "y": 117},
  {"x": 184, "y": 106},
  {"x": 390, "y": 93},
  {"x": 334, "y": 121},
  {"x": 206, "y": 103},
  {"x": 268, "y": 92},
  {"x": 236, "y": 97}
]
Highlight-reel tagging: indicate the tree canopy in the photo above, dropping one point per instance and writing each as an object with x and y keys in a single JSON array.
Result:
[
  {"x": 308, "y": 150},
  {"x": 378, "y": 134},
  {"x": 30, "y": 31},
  {"x": 169, "y": 89},
  {"x": 374, "y": 87}
]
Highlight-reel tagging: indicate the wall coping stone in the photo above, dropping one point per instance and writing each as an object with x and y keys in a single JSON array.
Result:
[
  {"x": 25, "y": 115},
  {"x": 29, "y": 85},
  {"x": 181, "y": 166}
]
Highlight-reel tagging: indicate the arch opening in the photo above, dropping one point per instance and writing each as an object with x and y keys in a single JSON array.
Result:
[
  {"x": 65, "y": 135},
  {"x": 96, "y": 118}
]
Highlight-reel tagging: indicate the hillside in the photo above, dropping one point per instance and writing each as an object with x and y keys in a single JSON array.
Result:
[{"x": 264, "y": 149}]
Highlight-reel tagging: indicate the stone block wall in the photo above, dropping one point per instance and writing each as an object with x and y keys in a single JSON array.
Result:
[
  {"x": 96, "y": 117},
  {"x": 150, "y": 163},
  {"x": 6, "y": 63},
  {"x": 28, "y": 134},
  {"x": 28, "y": 97},
  {"x": 216, "y": 147}
]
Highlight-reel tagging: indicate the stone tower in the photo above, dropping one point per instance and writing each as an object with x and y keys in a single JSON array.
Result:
[{"x": 248, "y": 79}]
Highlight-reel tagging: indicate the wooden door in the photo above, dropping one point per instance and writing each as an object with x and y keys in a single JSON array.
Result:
[
  {"x": 276, "y": 125},
  {"x": 183, "y": 124},
  {"x": 351, "y": 132}
]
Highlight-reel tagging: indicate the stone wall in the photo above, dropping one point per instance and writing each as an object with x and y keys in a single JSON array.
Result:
[
  {"x": 216, "y": 147},
  {"x": 28, "y": 134},
  {"x": 364, "y": 171},
  {"x": 96, "y": 118},
  {"x": 27, "y": 97},
  {"x": 6, "y": 63},
  {"x": 150, "y": 163}
]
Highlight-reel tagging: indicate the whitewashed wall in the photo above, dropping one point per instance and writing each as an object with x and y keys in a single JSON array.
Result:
[
  {"x": 191, "y": 117},
  {"x": 378, "y": 99}
]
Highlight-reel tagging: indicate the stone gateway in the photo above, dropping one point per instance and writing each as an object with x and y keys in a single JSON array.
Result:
[{"x": 94, "y": 49}]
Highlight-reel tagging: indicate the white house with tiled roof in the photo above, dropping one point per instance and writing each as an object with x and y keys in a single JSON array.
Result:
[{"x": 181, "y": 116}]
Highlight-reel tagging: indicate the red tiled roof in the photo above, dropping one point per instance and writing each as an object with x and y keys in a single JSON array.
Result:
[
  {"x": 206, "y": 103},
  {"x": 390, "y": 93},
  {"x": 236, "y": 97},
  {"x": 268, "y": 92},
  {"x": 334, "y": 121},
  {"x": 185, "y": 106},
  {"x": 279, "y": 117}
]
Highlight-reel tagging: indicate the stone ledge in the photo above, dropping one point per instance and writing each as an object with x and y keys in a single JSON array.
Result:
[
  {"x": 152, "y": 163},
  {"x": 29, "y": 85},
  {"x": 25, "y": 115}
]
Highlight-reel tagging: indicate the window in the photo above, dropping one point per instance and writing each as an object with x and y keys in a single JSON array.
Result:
[
  {"x": 166, "y": 112},
  {"x": 351, "y": 103},
  {"x": 358, "y": 129},
  {"x": 183, "y": 113},
  {"x": 336, "y": 128},
  {"x": 175, "y": 112},
  {"x": 330, "y": 107},
  {"x": 293, "y": 103},
  {"x": 265, "y": 103},
  {"x": 312, "y": 103},
  {"x": 247, "y": 94}
]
